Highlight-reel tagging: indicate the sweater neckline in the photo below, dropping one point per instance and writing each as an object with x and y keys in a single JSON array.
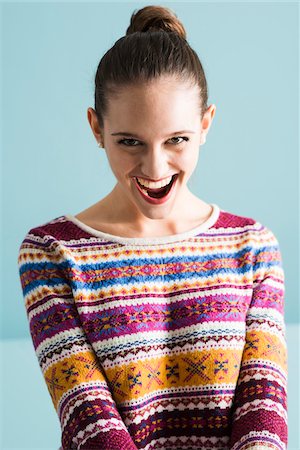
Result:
[{"x": 204, "y": 226}]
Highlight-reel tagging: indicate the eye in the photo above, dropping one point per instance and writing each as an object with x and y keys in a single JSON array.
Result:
[
  {"x": 180, "y": 137},
  {"x": 123, "y": 141}
]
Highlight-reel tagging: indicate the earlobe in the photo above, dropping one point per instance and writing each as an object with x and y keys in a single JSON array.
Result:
[{"x": 202, "y": 139}]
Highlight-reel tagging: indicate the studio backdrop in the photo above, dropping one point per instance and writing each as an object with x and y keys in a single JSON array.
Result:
[{"x": 51, "y": 164}]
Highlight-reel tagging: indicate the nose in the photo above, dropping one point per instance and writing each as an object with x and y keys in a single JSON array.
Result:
[{"x": 155, "y": 163}]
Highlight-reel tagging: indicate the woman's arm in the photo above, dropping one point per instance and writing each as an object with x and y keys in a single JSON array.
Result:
[
  {"x": 74, "y": 377},
  {"x": 259, "y": 418}
]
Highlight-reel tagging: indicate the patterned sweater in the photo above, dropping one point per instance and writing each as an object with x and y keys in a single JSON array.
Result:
[{"x": 171, "y": 342}]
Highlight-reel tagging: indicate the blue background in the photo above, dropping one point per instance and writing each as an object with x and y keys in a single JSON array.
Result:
[{"x": 52, "y": 166}]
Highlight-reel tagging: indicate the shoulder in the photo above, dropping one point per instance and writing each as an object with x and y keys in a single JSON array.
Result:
[
  {"x": 39, "y": 243},
  {"x": 246, "y": 232},
  {"x": 50, "y": 229},
  {"x": 56, "y": 231},
  {"x": 49, "y": 242},
  {"x": 235, "y": 222},
  {"x": 232, "y": 222}
]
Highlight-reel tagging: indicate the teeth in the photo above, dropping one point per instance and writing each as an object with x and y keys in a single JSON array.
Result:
[{"x": 153, "y": 184}]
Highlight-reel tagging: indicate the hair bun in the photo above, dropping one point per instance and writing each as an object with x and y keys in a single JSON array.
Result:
[{"x": 159, "y": 18}]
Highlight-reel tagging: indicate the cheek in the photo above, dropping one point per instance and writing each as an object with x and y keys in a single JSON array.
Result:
[
  {"x": 188, "y": 160},
  {"x": 120, "y": 162}
]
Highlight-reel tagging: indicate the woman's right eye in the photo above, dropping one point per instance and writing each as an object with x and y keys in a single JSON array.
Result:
[{"x": 123, "y": 141}]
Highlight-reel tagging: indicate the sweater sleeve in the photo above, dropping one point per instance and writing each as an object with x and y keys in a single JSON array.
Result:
[
  {"x": 76, "y": 382},
  {"x": 259, "y": 419}
]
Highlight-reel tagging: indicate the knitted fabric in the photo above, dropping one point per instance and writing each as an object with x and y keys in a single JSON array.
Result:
[{"x": 174, "y": 342}]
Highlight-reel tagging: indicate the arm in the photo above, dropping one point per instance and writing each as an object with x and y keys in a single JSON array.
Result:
[
  {"x": 74, "y": 377},
  {"x": 259, "y": 411}
]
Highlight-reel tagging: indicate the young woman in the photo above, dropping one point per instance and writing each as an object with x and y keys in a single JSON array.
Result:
[{"x": 157, "y": 318}]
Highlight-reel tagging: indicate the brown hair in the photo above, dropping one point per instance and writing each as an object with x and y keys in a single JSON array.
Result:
[{"x": 154, "y": 45}]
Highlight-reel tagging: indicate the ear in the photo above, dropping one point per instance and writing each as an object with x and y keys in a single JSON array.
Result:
[
  {"x": 94, "y": 124},
  {"x": 206, "y": 122}
]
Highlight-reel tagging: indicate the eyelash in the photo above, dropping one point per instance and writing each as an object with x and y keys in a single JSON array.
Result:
[{"x": 121, "y": 141}]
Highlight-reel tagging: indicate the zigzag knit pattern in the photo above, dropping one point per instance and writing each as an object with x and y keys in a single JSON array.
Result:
[{"x": 173, "y": 342}]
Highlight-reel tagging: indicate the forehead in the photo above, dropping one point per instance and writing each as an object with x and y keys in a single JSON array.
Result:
[
  {"x": 163, "y": 103},
  {"x": 154, "y": 90}
]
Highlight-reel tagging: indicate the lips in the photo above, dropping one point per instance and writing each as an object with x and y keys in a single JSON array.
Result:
[{"x": 156, "y": 200}]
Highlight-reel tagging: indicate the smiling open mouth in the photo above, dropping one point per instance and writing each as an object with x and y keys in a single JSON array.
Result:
[{"x": 160, "y": 192}]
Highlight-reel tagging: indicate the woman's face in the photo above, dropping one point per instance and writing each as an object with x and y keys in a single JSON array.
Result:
[{"x": 153, "y": 131}]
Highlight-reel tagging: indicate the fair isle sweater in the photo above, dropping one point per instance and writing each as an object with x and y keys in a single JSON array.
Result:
[{"x": 170, "y": 342}]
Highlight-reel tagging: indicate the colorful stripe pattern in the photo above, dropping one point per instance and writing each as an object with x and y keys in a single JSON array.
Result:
[{"x": 172, "y": 345}]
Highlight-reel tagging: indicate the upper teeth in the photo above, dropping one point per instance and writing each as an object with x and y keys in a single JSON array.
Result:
[{"x": 154, "y": 184}]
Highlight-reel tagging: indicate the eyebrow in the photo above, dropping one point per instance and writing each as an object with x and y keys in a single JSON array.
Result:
[{"x": 125, "y": 133}]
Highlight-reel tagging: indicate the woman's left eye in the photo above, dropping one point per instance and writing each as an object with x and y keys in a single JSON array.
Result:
[{"x": 180, "y": 137}]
